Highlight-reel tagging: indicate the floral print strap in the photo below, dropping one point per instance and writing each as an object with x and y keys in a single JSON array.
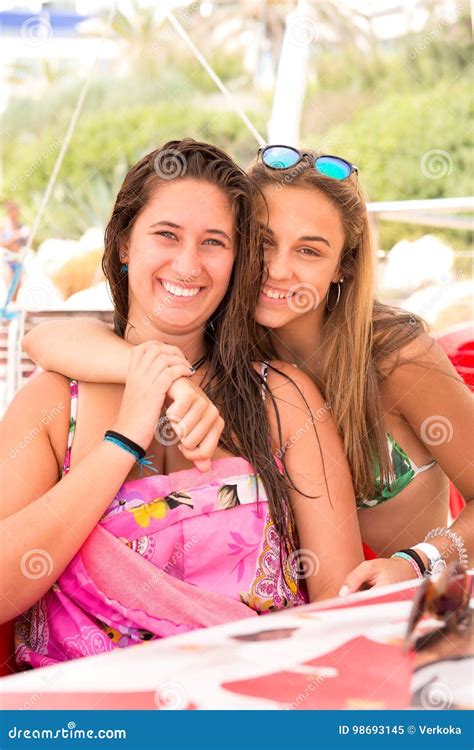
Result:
[{"x": 72, "y": 425}]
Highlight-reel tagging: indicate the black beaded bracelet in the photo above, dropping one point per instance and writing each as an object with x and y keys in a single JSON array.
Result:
[
  {"x": 118, "y": 436},
  {"x": 415, "y": 556}
]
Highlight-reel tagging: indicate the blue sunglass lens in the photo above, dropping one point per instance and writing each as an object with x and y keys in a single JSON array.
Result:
[
  {"x": 331, "y": 166},
  {"x": 280, "y": 157}
]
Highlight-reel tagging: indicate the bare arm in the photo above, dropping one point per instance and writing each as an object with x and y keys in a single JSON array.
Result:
[
  {"x": 323, "y": 501},
  {"x": 439, "y": 407},
  {"x": 41, "y": 517},
  {"x": 85, "y": 349},
  {"x": 49, "y": 519},
  {"x": 88, "y": 350}
]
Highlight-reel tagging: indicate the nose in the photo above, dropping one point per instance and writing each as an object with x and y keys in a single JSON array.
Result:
[
  {"x": 186, "y": 264},
  {"x": 278, "y": 265}
]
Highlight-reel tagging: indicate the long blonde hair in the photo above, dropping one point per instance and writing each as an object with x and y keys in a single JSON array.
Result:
[{"x": 359, "y": 333}]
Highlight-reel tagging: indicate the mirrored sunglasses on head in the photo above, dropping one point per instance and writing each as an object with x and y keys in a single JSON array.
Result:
[{"x": 286, "y": 157}]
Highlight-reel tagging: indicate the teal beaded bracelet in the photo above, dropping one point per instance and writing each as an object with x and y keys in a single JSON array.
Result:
[{"x": 412, "y": 562}]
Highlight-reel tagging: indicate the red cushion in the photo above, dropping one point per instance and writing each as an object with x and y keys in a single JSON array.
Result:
[
  {"x": 7, "y": 648},
  {"x": 369, "y": 554},
  {"x": 456, "y": 501},
  {"x": 459, "y": 346}
]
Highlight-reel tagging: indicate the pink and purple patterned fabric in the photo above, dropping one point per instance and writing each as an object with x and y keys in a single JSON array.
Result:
[{"x": 205, "y": 534}]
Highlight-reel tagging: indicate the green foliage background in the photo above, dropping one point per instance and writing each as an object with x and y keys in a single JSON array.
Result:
[{"x": 382, "y": 108}]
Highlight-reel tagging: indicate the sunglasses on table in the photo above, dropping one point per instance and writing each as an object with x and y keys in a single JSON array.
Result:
[
  {"x": 286, "y": 157},
  {"x": 446, "y": 599}
]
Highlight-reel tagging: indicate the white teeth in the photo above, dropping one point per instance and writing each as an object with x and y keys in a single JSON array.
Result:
[
  {"x": 276, "y": 295},
  {"x": 180, "y": 291}
]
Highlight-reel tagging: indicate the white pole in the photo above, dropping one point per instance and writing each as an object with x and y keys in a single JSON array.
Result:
[{"x": 300, "y": 33}]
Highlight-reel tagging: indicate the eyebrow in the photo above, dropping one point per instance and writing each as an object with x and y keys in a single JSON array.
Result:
[
  {"x": 305, "y": 238},
  {"x": 220, "y": 232}
]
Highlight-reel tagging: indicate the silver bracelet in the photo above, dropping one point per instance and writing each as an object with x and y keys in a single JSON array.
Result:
[{"x": 456, "y": 540}]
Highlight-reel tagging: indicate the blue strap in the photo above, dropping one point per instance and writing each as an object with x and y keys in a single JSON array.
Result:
[
  {"x": 145, "y": 461},
  {"x": 4, "y": 312}
]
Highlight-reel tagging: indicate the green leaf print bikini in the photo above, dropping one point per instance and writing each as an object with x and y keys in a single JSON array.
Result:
[{"x": 404, "y": 471}]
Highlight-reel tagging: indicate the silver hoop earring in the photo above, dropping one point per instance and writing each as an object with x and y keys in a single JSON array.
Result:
[{"x": 339, "y": 284}]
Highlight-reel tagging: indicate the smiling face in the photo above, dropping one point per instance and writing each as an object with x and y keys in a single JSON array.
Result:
[
  {"x": 180, "y": 256},
  {"x": 303, "y": 239}
]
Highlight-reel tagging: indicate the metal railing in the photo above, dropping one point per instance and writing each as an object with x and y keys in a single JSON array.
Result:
[{"x": 15, "y": 365}]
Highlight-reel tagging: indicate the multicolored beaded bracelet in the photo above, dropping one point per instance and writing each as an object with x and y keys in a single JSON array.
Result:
[
  {"x": 409, "y": 559},
  {"x": 456, "y": 540}
]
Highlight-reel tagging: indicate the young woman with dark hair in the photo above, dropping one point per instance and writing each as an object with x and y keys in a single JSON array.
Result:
[{"x": 111, "y": 535}]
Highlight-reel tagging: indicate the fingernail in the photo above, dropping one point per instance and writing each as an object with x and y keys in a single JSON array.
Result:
[{"x": 344, "y": 590}]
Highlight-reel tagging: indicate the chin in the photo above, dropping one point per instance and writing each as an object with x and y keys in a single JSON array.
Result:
[
  {"x": 181, "y": 322},
  {"x": 271, "y": 320}
]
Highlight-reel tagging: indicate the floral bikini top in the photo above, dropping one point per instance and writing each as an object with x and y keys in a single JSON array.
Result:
[{"x": 404, "y": 471}]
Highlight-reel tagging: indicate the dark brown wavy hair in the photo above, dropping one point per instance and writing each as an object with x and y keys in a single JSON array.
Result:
[
  {"x": 231, "y": 381},
  {"x": 360, "y": 335}
]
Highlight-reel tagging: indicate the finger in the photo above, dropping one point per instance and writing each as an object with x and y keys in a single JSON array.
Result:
[
  {"x": 152, "y": 359},
  {"x": 196, "y": 426},
  {"x": 364, "y": 573},
  {"x": 204, "y": 430},
  {"x": 203, "y": 453},
  {"x": 203, "y": 465},
  {"x": 164, "y": 379},
  {"x": 154, "y": 367},
  {"x": 189, "y": 405},
  {"x": 174, "y": 351}
]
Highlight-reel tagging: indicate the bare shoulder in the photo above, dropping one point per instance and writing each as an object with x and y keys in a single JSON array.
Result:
[
  {"x": 295, "y": 400},
  {"x": 42, "y": 405},
  {"x": 422, "y": 357},
  {"x": 33, "y": 442},
  {"x": 288, "y": 382},
  {"x": 44, "y": 391}
]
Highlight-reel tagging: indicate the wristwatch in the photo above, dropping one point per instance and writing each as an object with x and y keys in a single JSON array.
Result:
[
  {"x": 432, "y": 553},
  {"x": 437, "y": 568}
]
